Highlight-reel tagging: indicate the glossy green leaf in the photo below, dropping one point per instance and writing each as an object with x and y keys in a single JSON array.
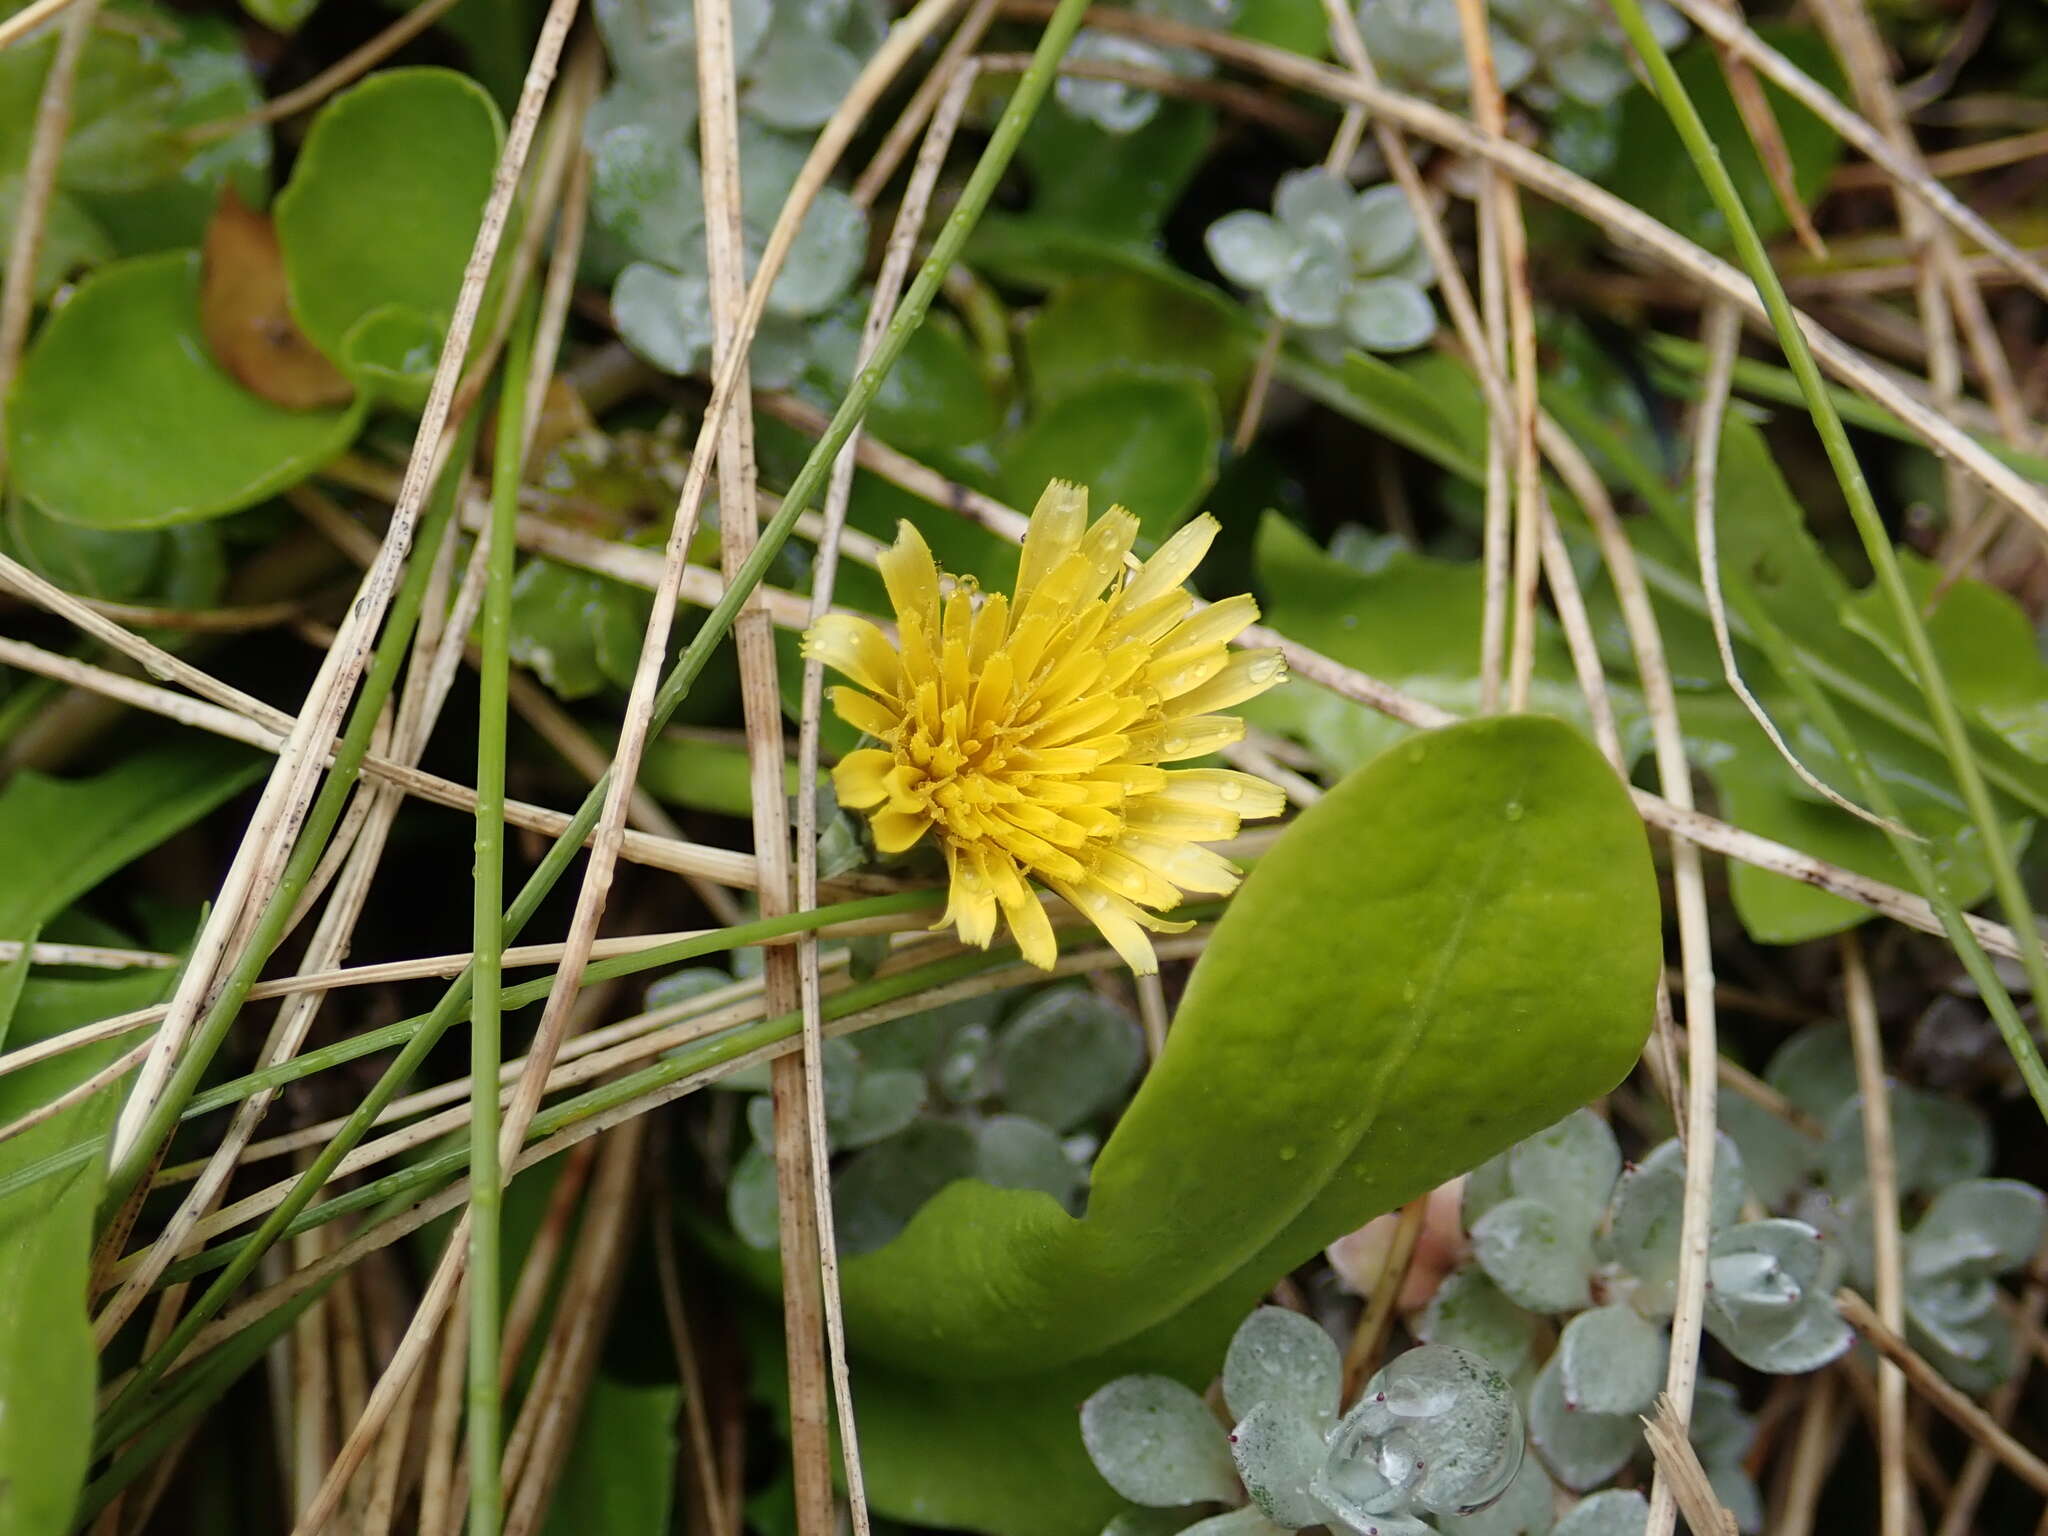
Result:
[
  {"x": 48, "y": 1362},
  {"x": 1097, "y": 324},
  {"x": 619, "y": 1479},
  {"x": 1648, "y": 146},
  {"x": 64, "y": 836},
  {"x": 384, "y": 201},
  {"x": 576, "y": 630},
  {"x": 121, "y": 420},
  {"x": 1115, "y": 186},
  {"x": 1147, "y": 443},
  {"x": 1986, "y": 646},
  {"x": 280, "y": 15}
]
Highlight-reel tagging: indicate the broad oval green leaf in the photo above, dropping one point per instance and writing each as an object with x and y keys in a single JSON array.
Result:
[
  {"x": 1462, "y": 941},
  {"x": 1143, "y": 441},
  {"x": 383, "y": 205},
  {"x": 121, "y": 420}
]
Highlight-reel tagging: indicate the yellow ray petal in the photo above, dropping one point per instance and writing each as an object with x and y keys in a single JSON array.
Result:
[
  {"x": 898, "y": 830},
  {"x": 1172, "y": 565},
  {"x": 860, "y": 778},
  {"x": 1246, "y": 675},
  {"x": 911, "y": 577},
  {"x": 858, "y": 649},
  {"x": 1031, "y": 927},
  {"x": 864, "y": 713},
  {"x": 1115, "y": 924},
  {"x": 1225, "y": 788},
  {"x": 1054, "y": 533}
]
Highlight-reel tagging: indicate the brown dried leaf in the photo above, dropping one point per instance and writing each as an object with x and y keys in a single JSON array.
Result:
[
  {"x": 246, "y": 321},
  {"x": 1769, "y": 139}
]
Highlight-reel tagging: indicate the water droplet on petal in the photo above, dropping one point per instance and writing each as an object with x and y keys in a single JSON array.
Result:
[
  {"x": 1265, "y": 669},
  {"x": 1173, "y": 744},
  {"x": 1230, "y": 791}
]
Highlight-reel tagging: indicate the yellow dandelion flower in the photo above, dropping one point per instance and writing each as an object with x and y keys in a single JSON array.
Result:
[{"x": 1029, "y": 734}]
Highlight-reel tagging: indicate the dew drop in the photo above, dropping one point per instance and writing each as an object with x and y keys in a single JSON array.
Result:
[
  {"x": 1287, "y": 1154},
  {"x": 1513, "y": 810},
  {"x": 1173, "y": 744},
  {"x": 1265, "y": 669},
  {"x": 1230, "y": 791}
]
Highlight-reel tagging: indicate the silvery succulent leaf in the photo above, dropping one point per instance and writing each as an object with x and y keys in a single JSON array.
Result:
[
  {"x": 1436, "y": 1430},
  {"x": 1155, "y": 1442},
  {"x": 799, "y": 78},
  {"x": 1140, "y": 1521},
  {"x": 1570, "y": 1166},
  {"x": 1770, "y": 1297},
  {"x": 1485, "y": 1187},
  {"x": 1611, "y": 1512},
  {"x": 1777, "y": 1158},
  {"x": 1250, "y": 248},
  {"x": 965, "y": 1070},
  {"x": 1581, "y": 1449},
  {"x": 1315, "y": 203},
  {"x": 1380, "y": 229},
  {"x": 1310, "y": 288},
  {"x": 825, "y": 257},
  {"x": 1067, "y": 1055},
  {"x": 1277, "y": 1452},
  {"x": 1938, "y": 1142},
  {"x": 1595, "y": 73},
  {"x": 1721, "y": 1431},
  {"x": 1418, "y": 46},
  {"x": 1643, "y": 1225},
  {"x": 1471, "y": 1312},
  {"x": 645, "y": 192},
  {"x": 880, "y": 1104},
  {"x": 1610, "y": 1361},
  {"x": 1012, "y": 1152},
  {"x": 1982, "y": 1226},
  {"x": 1524, "y": 1510},
  {"x": 664, "y": 317},
  {"x": 883, "y": 1186},
  {"x": 750, "y": 1202},
  {"x": 1531, "y": 1255},
  {"x": 1976, "y": 1353},
  {"x": 1815, "y": 1069},
  {"x": 1247, "y": 1521},
  {"x": 678, "y": 988},
  {"x": 1285, "y": 1360},
  {"x": 1388, "y": 314},
  {"x": 1115, "y": 106}
]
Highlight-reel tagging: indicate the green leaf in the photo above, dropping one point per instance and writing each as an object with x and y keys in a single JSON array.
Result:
[
  {"x": 935, "y": 400},
  {"x": 1296, "y": 25},
  {"x": 703, "y": 775},
  {"x": 280, "y": 15},
  {"x": 1097, "y": 324},
  {"x": 576, "y": 630},
  {"x": 383, "y": 205},
  {"x": 1986, "y": 647},
  {"x": 76, "y": 832},
  {"x": 620, "y": 1476},
  {"x": 48, "y": 1362},
  {"x": 1649, "y": 149},
  {"x": 1117, "y": 186},
  {"x": 121, "y": 420},
  {"x": 1156, "y": 1442},
  {"x": 1508, "y": 877},
  {"x": 1145, "y": 442}
]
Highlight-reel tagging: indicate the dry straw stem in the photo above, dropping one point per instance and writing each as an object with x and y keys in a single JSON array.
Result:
[
  {"x": 32, "y": 16},
  {"x": 796, "y": 1081},
  {"x": 1369, "y": 1339},
  {"x": 1822, "y": 1432},
  {"x": 1680, "y": 1472},
  {"x": 1881, "y": 1165},
  {"x": 95, "y": 956},
  {"x": 1722, "y": 337},
  {"x": 1952, "y": 1402}
]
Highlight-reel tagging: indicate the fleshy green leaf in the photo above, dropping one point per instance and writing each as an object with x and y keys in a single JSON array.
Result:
[
  {"x": 882, "y": 1188},
  {"x": 121, "y": 420},
  {"x": 1570, "y": 1166},
  {"x": 1284, "y": 1359},
  {"x": 1147, "y": 443},
  {"x": 1470, "y": 1311},
  {"x": 1770, "y": 1298},
  {"x": 383, "y": 204},
  {"x": 1610, "y": 1361},
  {"x": 1155, "y": 1442},
  {"x": 1582, "y": 1450},
  {"x": 1533, "y": 1256},
  {"x": 1643, "y": 1228},
  {"x": 1094, "y": 324},
  {"x": 619, "y": 1479},
  {"x": 1524, "y": 1510},
  {"x": 1067, "y": 1055}
]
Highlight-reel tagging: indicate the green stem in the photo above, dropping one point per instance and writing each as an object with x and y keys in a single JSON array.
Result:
[
  {"x": 124, "y": 1178},
  {"x": 1948, "y": 723},
  {"x": 486, "y": 1020}
]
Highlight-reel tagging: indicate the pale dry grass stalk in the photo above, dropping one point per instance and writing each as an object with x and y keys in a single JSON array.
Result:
[
  {"x": 33, "y": 15},
  {"x": 1953, "y": 1403},
  {"x": 1369, "y": 1338},
  {"x": 1881, "y": 1165},
  {"x": 95, "y": 956},
  {"x": 796, "y": 1086},
  {"x": 1507, "y": 246},
  {"x": 1680, "y": 1473}
]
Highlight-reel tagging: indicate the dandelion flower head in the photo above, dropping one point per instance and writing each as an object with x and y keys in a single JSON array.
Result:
[{"x": 1029, "y": 735}]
